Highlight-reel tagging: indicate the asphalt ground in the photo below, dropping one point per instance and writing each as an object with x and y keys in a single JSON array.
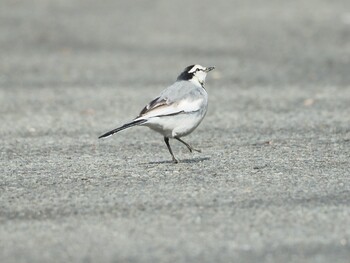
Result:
[{"x": 272, "y": 183}]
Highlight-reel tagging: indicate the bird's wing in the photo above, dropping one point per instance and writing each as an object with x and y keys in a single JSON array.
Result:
[
  {"x": 178, "y": 98},
  {"x": 157, "y": 102},
  {"x": 166, "y": 108}
]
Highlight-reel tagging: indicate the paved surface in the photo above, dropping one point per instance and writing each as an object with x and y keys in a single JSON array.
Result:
[{"x": 272, "y": 182}]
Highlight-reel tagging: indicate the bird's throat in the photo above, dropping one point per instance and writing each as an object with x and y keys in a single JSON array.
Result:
[{"x": 197, "y": 82}]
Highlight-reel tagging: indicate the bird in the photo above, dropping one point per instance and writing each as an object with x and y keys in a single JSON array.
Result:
[{"x": 177, "y": 111}]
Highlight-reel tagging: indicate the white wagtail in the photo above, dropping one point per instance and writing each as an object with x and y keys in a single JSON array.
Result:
[{"x": 178, "y": 110}]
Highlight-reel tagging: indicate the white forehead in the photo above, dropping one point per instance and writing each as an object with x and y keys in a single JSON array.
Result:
[{"x": 195, "y": 67}]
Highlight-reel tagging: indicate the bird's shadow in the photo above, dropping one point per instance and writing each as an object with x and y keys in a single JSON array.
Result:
[{"x": 192, "y": 160}]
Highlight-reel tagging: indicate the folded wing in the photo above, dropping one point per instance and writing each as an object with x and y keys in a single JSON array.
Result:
[{"x": 163, "y": 107}]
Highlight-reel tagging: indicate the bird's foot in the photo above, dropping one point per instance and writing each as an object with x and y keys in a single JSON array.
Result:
[
  {"x": 189, "y": 147},
  {"x": 193, "y": 149}
]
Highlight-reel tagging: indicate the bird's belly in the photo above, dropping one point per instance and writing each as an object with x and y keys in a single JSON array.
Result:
[{"x": 175, "y": 126}]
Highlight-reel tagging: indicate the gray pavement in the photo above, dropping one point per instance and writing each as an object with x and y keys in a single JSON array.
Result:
[{"x": 272, "y": 183}]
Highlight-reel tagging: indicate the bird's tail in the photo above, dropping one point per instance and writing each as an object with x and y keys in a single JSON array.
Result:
[{"x": 125, "y": 126}]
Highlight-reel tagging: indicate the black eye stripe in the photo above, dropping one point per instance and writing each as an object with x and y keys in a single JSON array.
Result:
[{"x": 189, "y": 72}]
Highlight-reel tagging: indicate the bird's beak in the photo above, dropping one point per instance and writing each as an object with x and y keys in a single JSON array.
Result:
[{"x": 209, "y": 69}]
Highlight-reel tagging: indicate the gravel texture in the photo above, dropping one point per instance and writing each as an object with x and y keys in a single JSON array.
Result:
[{"x": 272, "y": 183}]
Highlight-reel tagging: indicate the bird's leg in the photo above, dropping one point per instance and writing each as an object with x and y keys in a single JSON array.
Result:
[
  {"x": 166, "y": 139},
  {"x": 189, "y": 147}
]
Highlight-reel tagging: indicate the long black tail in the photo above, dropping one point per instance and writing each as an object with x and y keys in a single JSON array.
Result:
[{"x": 125, "y": 126}]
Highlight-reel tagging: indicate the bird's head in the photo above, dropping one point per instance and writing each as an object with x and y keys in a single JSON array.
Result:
[{"x": 195, "y": 74}]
